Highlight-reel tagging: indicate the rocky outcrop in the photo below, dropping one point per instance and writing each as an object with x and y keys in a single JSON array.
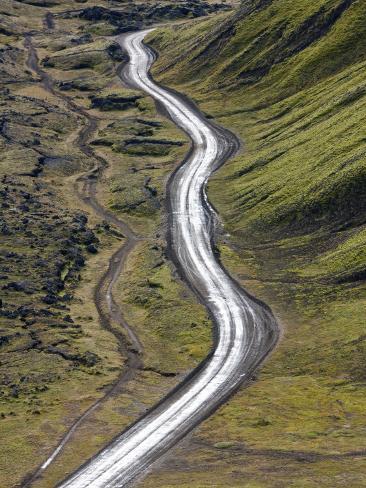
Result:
[
  {"x": 136, "y": 16},
  {"x": 114, "y": 102}
]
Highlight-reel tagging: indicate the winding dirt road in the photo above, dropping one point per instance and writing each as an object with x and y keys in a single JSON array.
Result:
[{"x": 246, "y": 331}]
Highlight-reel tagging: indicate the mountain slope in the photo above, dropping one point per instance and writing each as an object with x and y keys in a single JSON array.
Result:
[{"x": 290, "y": 80}]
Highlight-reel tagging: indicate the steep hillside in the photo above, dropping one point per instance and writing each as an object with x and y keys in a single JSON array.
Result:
[
  {"x": 290, "y": 80},
  {"x": 296, "y": 81}
]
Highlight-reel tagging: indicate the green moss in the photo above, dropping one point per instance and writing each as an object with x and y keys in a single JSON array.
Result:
[
  {"x": 224, "y": 445},
  {"x": 292, "y": 202},
  {"x": 166, "y": 316}
]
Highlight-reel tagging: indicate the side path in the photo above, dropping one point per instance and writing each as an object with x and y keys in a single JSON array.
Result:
[{"x": 86, "y": 189}]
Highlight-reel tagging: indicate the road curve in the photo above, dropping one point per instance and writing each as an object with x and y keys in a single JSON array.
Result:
[{"x": 245, "y": 329}]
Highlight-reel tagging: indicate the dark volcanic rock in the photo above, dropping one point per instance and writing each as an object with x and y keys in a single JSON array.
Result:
[
  {"x": 116, "y": 53},
  {"x": 50, "y": 299},
  {"x": 53, "y": 285},
  {"x": 114, "y": 102},
  {"x": 92, "y": 249},
  {"x": 84, "y": 39},
  {"x": 5, "y": 339},
  {"x": 135, "y": 17},
  {"x": 88, "y": 358},
  {"x": 22, "y": 286}
]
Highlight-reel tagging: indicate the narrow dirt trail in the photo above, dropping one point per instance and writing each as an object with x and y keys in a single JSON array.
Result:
[{"x": 85, "y": 188}]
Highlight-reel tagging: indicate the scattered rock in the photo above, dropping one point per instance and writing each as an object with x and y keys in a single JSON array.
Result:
[
  {"x": 50, "y": 299},
  {"x": 92, "y": 249},
  {"x": 21, "y": 286}
]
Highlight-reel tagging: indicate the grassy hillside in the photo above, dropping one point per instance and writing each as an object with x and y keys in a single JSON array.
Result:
[{"x": 289, "y": 79}]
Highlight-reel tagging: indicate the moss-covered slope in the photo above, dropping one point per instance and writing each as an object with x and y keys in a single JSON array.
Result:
[{"x": 289, "y": 79}]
